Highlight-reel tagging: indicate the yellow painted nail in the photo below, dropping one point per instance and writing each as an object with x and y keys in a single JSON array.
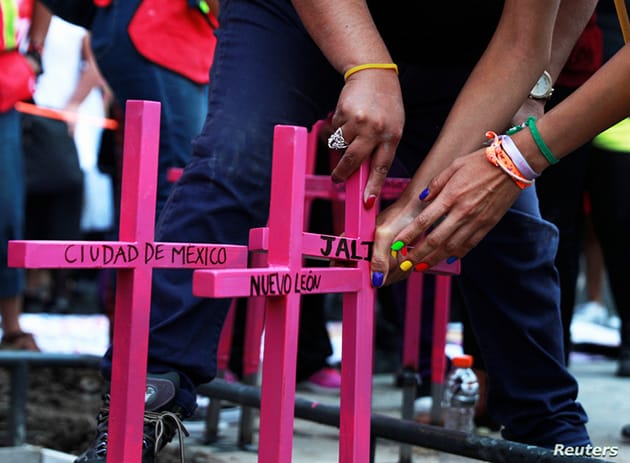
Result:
[
  {"x": 406, "y": 265},
  {"x": 394, "y": 254}
]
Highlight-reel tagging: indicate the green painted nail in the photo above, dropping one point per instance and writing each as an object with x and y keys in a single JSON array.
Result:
[{"x": 398, "y": 245}]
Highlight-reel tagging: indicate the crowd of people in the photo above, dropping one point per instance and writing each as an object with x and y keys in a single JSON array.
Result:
[{"x": 474, "y": 123}]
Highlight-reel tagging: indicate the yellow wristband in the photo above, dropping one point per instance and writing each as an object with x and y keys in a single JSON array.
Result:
[{"x": 361, "y": 67}]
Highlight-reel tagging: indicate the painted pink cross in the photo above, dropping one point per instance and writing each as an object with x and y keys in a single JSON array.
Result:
[
  {"x": 134, "y": 256},
  {"x": 285, "y": 279}
]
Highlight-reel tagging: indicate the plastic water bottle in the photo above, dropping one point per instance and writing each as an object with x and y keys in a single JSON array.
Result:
[{"x": 461, "y": 393}]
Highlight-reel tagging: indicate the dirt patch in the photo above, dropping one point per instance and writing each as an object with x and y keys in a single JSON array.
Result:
[{"x": 61, "y": 409}]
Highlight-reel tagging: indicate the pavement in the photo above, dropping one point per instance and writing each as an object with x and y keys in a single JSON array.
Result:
[{"x": 603, "y": 395}]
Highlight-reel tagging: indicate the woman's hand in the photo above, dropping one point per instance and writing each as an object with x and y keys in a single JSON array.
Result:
[
  {"x": 371, "y": 116},
  {"x": 459, "y": 207}
]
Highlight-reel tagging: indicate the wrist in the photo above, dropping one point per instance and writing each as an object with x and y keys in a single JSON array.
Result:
[
  {"x": 361, "y": 67},
  {"x": 34, "y": 55},
  {"x": 531, "y": 153}
]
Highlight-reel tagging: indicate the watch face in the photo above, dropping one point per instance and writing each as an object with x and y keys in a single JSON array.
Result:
[{"x": 543, "y": 86}]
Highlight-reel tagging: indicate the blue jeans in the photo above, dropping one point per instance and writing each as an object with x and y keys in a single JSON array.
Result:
[
  {"x": 133, "y": 77},
  {"x": 11, "y": 200},
  {"x": 267, "y": 71}
]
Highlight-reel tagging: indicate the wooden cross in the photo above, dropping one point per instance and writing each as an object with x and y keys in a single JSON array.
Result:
[
  {"x": 282, "y": 283},
  {"x": 134, "y": 256}
]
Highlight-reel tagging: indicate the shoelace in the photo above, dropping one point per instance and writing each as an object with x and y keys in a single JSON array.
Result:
[{"x": 159, "y": 419}]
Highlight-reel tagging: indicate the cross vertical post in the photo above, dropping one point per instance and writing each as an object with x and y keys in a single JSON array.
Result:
[
  {"x": 282, "y": 282},
  {"x": 134, "y": 256}
]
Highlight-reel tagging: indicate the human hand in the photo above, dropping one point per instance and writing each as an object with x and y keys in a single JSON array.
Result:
[
  {"x": 459, "y": 207},
  {"x": 371, "y": 116}
]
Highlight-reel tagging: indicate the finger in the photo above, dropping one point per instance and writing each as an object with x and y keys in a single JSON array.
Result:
[
  {"x": 381, "y": 260},
  {"x": 379, "y": 167},
  {"x": 356, "y": 152},
  {"x": 436, "y": 184},
  {"x": 426, "y": 220},
  {"x": 441, "y": 244}
]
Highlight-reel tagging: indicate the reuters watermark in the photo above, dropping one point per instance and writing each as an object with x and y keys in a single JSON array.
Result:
[{"x": 606, "y": 451}]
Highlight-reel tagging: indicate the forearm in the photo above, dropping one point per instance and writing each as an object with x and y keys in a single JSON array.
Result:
[
  {"x": 598, "y": 104},
  {"x": 39, "y": 24},
  {"x": 514, "y": 59},
  {"x": 573, "y": 16},
  {"x": 344, "y": 31},
  {"x": 89, "y": 77}
]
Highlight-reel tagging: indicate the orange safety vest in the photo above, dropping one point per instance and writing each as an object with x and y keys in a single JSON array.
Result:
[{"x": 15, "y": 17}]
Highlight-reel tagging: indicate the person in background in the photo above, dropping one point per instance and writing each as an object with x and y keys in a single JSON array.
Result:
[
  {"x": 159, "y": 50},
  {"x": 560, "y": 191},
  {"x": 609, "y": 160},
  {"x": 24, "y": 26},
  {"x": 64, "y": 211}
]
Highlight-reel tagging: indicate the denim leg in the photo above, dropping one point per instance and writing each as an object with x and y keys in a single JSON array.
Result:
[
  {"x": 224, "y": 190},
  {"x": 11, "y": 200},
  {"x": 510, "y": 286},
  {"x": 133, "y": 77},
  {"x": 610, "y": 214}
]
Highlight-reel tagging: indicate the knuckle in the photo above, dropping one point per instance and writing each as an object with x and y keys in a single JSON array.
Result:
[
  {"x": 360, "y": 117},
  {"x": 382, "y": 168},
  {"x": 432, "y": 241},
  {"x": 422, "y": 222},
  {"x": 451, "y": 247},
  {"x": 383, "y": 234},
  {"x": 349, "y": 158}
]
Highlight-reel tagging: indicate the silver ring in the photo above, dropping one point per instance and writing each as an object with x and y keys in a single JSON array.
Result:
[{"x": 336, "y": 140}]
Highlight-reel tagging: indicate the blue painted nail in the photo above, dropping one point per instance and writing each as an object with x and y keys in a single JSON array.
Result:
[
  {"x": 377, "y": 279},
  {"x": 451, "y": 259},
  {"x": 424, "y": 194}
]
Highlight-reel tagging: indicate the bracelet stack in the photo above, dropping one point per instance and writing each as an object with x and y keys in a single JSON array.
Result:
[{"x": 497, "y": 155}]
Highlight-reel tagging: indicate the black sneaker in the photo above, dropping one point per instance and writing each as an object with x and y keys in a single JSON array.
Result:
[{"x": 161, "y": 422}]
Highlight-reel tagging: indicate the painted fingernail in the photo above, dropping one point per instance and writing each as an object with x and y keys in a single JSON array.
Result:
[
  {"x": 421, "y": 267},
  {"x": 394, "y": 253},
  {"x": 369, "y": 202},
  {"x": 403, "y": 251},
  {"x": 398, "y": 245},
  {"x": 451, "y": 259},
  {"x": 424, "y": 194},
  {"x": 377, "y": 279},
  {"x": 406, "y": 265}
]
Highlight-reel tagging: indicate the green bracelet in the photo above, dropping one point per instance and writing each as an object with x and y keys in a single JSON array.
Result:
[
  {"x": 544, "y": 149},
  {"x": 515, "y": 129}
]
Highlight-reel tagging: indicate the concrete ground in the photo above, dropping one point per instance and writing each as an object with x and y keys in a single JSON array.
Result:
[{"x": 604, "y": 396}]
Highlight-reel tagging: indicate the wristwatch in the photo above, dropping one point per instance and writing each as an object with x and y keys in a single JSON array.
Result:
[{"x": 543, "y": 88}]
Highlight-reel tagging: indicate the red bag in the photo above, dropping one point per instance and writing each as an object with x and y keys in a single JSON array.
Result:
[{"x": 17, "y": 79}]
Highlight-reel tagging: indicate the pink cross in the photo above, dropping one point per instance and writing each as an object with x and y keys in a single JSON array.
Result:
[
  {"x": 284, "y": 279},
  {"x": 282, "y": 283},
  {"x": 134, "y": 256}
]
